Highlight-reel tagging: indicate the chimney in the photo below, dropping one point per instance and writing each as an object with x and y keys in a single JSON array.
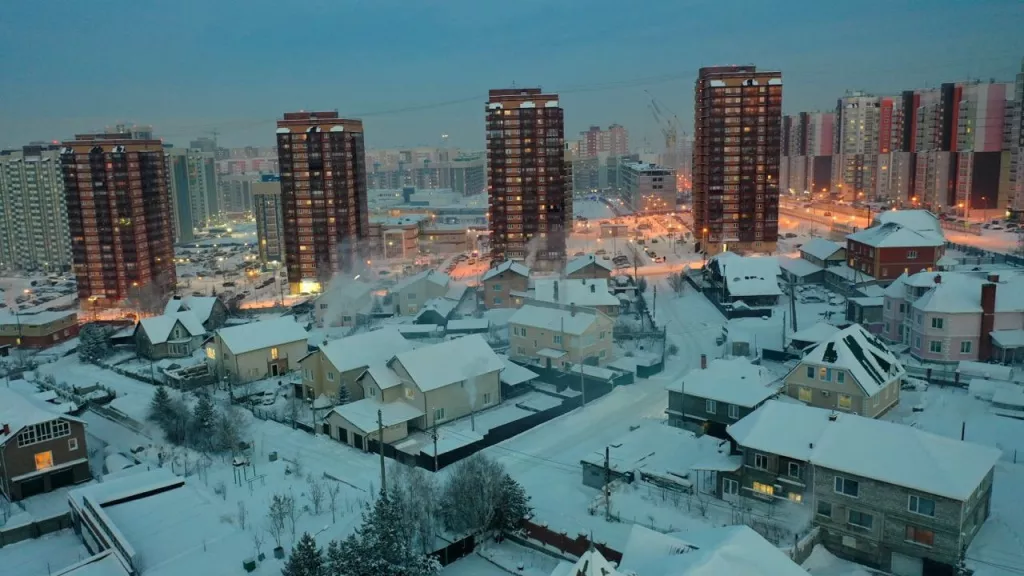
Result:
[
  {"x": 703, "y": 361},
  {"x": 994, "y": 278},
  {"x": 988, "y": 319},
  {"x": 556, "y": 290},
  {"x": 938, "y": 278},
  {"x": 5, "y": 430}
]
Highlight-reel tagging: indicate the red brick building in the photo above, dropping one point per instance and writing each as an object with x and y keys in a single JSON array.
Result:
[
  {"x": 39, "y": 330},
  {"x": 888, "y": 250}
]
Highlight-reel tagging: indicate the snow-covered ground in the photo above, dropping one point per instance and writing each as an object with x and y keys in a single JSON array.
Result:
[
  {"x": 44, "y": 555},
  {"x": 821, "y": 562},
  {"x": 491, "y": 559},
  {"x": 591, "y": 209}
]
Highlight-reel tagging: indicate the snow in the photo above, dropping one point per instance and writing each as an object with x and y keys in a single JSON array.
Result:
[
  {"x": 260, "y": 335},
  {"x": 43, "y": 555},
  {"x": 733, "y": 381},
  {"x": 363, "y": 413},
  {"x": 366, "y": 349},
  {"x": 384, "y": 377},
  {"x": 817, "y": 333},
  {"x": 918, "y": 220},
  {"x": 499, "y": 559},
  {"x": 102, "y": 564},
  {"x": 504, "y": 267},
  {"x": 158, "y": 328},
  {"x": 553, "y": 319},
  {"x": 431, "y": 275},
  {"x": 821, "y": 562},
  {"x": 581, "y": 292},
  {"x": 820, "y": 248},
  {"x": 1008, "y": 338},
  {"x": 798, "y": 266},
  {"x": 960, "y": 293},
  {"x": 592, "y": 563},
  {"x": 26, "y": 318},
  {"x": 577, "y": 264},
  {"x": 513, "y": 374},
  {"x": 893, "y": 235},
  {"x": 591, "y": 209},
  {"x": 985, "y": 370},
  {"x": 468, "y": 325},
  {"x": 465, "y": 358},
  {"x": 201, "y": 306},
  {"x": 781, "y": 428},
  {"x": 861, "y": 354},
  {"x": 442, "y": 306},
  {"x": 659, "y": 449},
  {"x": 750, "y": 276},
  {"x": 19, "y": 411}
]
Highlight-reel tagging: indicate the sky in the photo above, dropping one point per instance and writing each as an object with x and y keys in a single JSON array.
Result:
[{"x": 416, "y": 69}]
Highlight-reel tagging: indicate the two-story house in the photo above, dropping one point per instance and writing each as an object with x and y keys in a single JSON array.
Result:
[
  {"x": 823, "y": 253},
  {"x": 504, "y": 285},
  {"x": 40, "y": 450},
  {"x": 885, "y": 251},
  {"x": 174, "y": 335},
  {"x": 588, "y": 266},
  {"x": 710, "y": 398},
  {"x": 257, "y": 350},
  {"x": 209, "y": 310},
  {"x": 556, "y": 337},
  {"x": 883, "y": 494},
  {"x": 338, "y": 363},
  {"x": 345, "y": 303},
  {"x": 584, "y": 292},
  {"x": 751, "y": 280},
  {"x": 411, "y": 292},
  {"x": 851, "y": 371}
]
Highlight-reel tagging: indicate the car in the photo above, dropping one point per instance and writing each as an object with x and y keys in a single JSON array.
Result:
[
  {"x": 240, "y": 461},
  {"x": 229, "y": 284},
  {"x": 578, "y": 254},
  {"x": 654, "y": 240},
  {"x": 827, "y": 213},
  {"x": 789, "y": 235},
  {"x": 659, "y": 259}
]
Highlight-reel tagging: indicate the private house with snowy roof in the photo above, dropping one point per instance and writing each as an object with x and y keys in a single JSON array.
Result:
[
  {"x": 40, "y": 449},
  {"x": 752, "y": 280},
  {"x": 589, "y": 266},
  {"x": 339, "y": 363},
  {"x": 557, "y": 337},
  {"x": 899, "y": 242},
  {"x": 345, "y": 303},
  {"x": 257, "y": 350},
  {"x": 170, "y": 335},
  {"x": 715, "y": 395},
  {"x": 850, "y": 371},
  {"x": 410, "y": 293},
  {"x": 505, "y": 285},
  {"x": 419, "y": 388},
  {"x": 883, "y": 494},
  {"x": 592, "y": 293},
  {"x": 209, "y": 310}
]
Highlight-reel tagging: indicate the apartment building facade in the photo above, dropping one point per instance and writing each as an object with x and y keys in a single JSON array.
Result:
[
  {"x": 651, "y": 189},
  {"x": 195, "y": 190},
  {"x": 323, "y": 196},
  {"x": 34, "y": 231},
  {"x": 266, "y": 203},
  {"x": 529, "y": 202},
  {"x": 737, "y": 146},
  {"x": 613, "y": 141}
]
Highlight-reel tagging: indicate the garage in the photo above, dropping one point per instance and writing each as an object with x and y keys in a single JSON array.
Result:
[
  {"x": 62, "y": 478},
  {"x": 31, "y": 487},
  {"x": 903, "y": 565}
]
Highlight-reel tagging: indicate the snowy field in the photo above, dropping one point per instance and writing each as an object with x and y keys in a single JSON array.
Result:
[
  {"x": 42, "y": 555},
  {"x": 492, "y": 559},
  {"x": 591, "y": 209}
]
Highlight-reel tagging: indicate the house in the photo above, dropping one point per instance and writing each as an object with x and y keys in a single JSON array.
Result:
[
  {"x": 588, "y": 266},
  {"x": 420, "y": 388},
  {"x": 464, "y": 326},
  {"x": 887, "y": 250},
  {"x": 436, "y": 311},
  {"x": 40, "y": 449},
  {"x": 515, "y": 379},
  {"x": 345, "y": 303},
  {"x": 711, "y": 397},
  {"x": 555, "y": 337},
  {"x": 584, "y": 292},
  {"x": 883, "y": 494},
  {"x": 866, "y": 311},
  {"x": 918, "y": 220},
  {"x": 812, "y": 335},
  {"x": 499, "y": 283},
  {"x": 340, "y": 362},
  {"x": 751, "y": 280},
  {"x": 799, "y": 271},
  {"x": 950, "y": 317},
  {"x": 253, "y": 351},
  {"x": 209, "y": 310},
  {"x": 823, "y": 253},
  {"x": 37, "y": 329},
  {"x": 173, "y": 335},
  {"x": 851, "y": 371},
  {"x": 410, "y": 293}
]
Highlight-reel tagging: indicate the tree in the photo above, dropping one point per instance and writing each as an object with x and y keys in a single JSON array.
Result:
[
  {"x": 513, "y": 506},
  {"x": 161, "y": 407},
  {"x": 472, "y": 495},
  {"x": 419, "y": 494},
  {"x": 231, "y": 427},
  {"x": 177, "y": 425},
  {"x": 305, "y": 560},
  {"x": 333, "y": 490},
  {"x": 380, "y": 547},
  {"x": 277, "y": 514},
  {"x": 93, "y": 343},
  {"x": 204, "y": 419},
  {"x": 315, "y": 494},
  {"x": 342, "y": 397},
  {"x": 677, "y": 282},
  {"x": 335, "y": 561}
]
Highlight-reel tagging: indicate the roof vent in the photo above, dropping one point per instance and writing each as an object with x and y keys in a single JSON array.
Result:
[{"x": 833, "y": 417}]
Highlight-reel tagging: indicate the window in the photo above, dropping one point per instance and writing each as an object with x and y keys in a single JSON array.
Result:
[
  {"x": 840, "y": 376},
  {"x": 937, "y": 323},
  {"x": 847, "y": 487},
  {"x": 911, "y": 254},
  {"x": 888, "y": 304},
  {"x": 920, "y": 505},
  {"x": 795, "y": 497},
  {"x": 903, "y": 307},
  {"x": 810, "y": 372},
  {"x": 44, "y": 460},
  {"x": 761, "y": 461},
  {"x": 734, "y": 412},
  {"x": 730, "y": 486},
  {"x": 557, "y": 339},
  {"x": 805, "y": 394},
  {"x": 917, "y": 342},
  {"x": 410, "y": 393},
  {"x": 411, "y": 296},
  {"x": 211, "y": 353},
  {"x": 43, "y": 432},
  {"x": 273, "y": 354},
  {"x": 860, "y": 519},
  {"x": 602, "y": 354},
  {"x": 497, "y": 300},
  {"x": 521, "y": 351},
  {"x": 438, "y": 414},
  {"x": 308, "y": 373},
  {"x": 824, "y": 509},
  {"x": 919, "y": 536},
  {"x": 330, "y": 376},
  {"x": 935, "y": 345},
  {"x": 72, "y": 444},
  {"x": 487, "y": 398},
  {"x": 845, "y": 401},
  {"x": 965, "y": 347},
  {"x": 373, "y": 391},
  {"x": 496, "y": 288},
  {"x": 601, "y": 336},
  {"x": 766, "y": 489},
  {"x": 710, "y": 406},
  {"x": 794, "y": 469}
]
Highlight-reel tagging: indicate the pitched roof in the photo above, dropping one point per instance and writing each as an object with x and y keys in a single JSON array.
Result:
[
  {"x": 437, "y": 366},
  {"x": 513, "y": 374},
  {"x": 751, "y": 276},
  {"x": 581, "y": 262},
  {"x": 158, "y": 328},
  {"x": 431, "y": 275},
  {"x": 892, "y": 235},
  {"x": 258, "y": 335},
  {"x": 958, "y": 293},
  {"x": 578, "y": 291},
  {"x": 384, "y": 377},
  {"x": 860, "y": 353},
  {"x": 201, "y": 306},
  {"x": 505, "y": 266},
  {"x": 732, "y": 381},
  {"x": 817, "y": 333},
  {"x": 442, "y": 306},
  {"x": 554, "y": 319},
  {"x": 18, "y": 411},
  {"x": 363, "y": 413},
  {"x": 592, "y": 563},
  {"x": 365, "y": 349},
  {"x": 820, "y": 248},
  {"x": 877, "y": 449},
  {"x": 798, "y": 266},
  {"x": 919, "y": 220}
]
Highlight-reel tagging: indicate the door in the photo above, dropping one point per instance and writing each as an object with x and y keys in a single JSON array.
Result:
[
  {"x": 274, "y": 370},
  {"x": 903, "y": 565},
  {"x": 31, "y": 487},
  {"x": 357, "y": 440},
  {"x": 62, "y": 479}
]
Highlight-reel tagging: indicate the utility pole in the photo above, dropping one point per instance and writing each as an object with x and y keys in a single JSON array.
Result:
[
  {"x": 654, "y": 304},
  {"x": 792, "y": 306},
  {"x": 380, "y": 442},
  {"x": 607, "y": 491}
]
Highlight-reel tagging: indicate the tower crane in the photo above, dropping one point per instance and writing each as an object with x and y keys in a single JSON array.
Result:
[{"x": 667, "y": 120}]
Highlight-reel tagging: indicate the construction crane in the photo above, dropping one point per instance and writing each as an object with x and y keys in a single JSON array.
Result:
[{"x": 674, "y": 157}]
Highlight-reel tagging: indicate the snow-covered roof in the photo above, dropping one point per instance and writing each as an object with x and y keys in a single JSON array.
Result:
[
  {"x": 984, "y": 370},
  {"x": 897, "y": 287},
  {"x": 820, "y": 248},
  {"x": 591, "y": 563},
  {"x": 798, "y": 266},
  {"x": 442, "y": 306},
  {"x": 363, "y": 413},
  {"x": 103, "y": 564},
  {"x": 505, "y": 266},
  {"x": 919, "y": 220},
  {"x": 158, "y": 328},
  {"x": 35, "y": 318},
  {"x": 817, "y": 333},
  {"x": 751, "y": 276},
  {"x": 201, "y": 306},
  {"x": 876, "y": 449},
  {"x": 18, "y": 411},
  {"x": 578, "y": 291},
  {"x": 437, "y": 366},
  {"x": 862, "y": 354},
  {"x": 384, "y": 377},
  {"x": 732, "y": 381},
  {"x": 259, "y": 335},
  {"x": 554, "y": 319},
  {"x": 468, "y": 324},
  {"x": 957, "y": 293},
  {"x": 456, "y": 291},
  {"x": 581, "y": 262},
  {"x": 893, "y": 235},
  {"x": 365, "y": 349},
  {"x": 513, "y": 374},
  {"x": 1008, "y": 338},
  {"x": 431, "y": 275}
]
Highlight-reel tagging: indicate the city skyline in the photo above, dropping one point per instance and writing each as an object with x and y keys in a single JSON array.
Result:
[{"x": 217, "y": 79}]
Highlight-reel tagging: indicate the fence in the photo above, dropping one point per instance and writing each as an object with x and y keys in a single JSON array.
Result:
[
  {"x": 992, "y": 257},
  {"x": 803, "y": 547},
  {"x": 34, "y": 529},
  {"x": 561, "y": 541},
  {"x": 118, "y": 417}
]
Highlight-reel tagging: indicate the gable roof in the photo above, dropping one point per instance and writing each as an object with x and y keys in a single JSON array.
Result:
[
  {"x": 578, "y": 291},
  {"x": 437, "y": 366},
  {"x": 958, "y": 293},
  {"x": 591, "y": 563},
  {"x": 817, "y": 333},
  {"x": 363, "y": 413},
  {"x": 18, "y": 411},
  {"x": 581, "y": 262},
  {"x": 258, "y": 335},
  {"x": 732, "y": 381},
  {"x": 751, "y": 276},
  {"x": 365, "y": 349},
  {"x": 782, "y": 428},
  {"x": 820, "y": 248},
  {"x": 158, "y": 328},
  {"x": 201, "y": 306},
  {"x": 554, "y": 319},
  {"x": 892, "y": 235},
  {"x": 919, "y": 220},
  {"x": 442, "y": 306},
  {"x": 431, "y": 275},
  {"x": 868, "y": 360},
  {"x": 505, "y": 266}
]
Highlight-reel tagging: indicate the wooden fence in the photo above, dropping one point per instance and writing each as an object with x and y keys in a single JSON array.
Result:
[{"x": 561, "y": 541}]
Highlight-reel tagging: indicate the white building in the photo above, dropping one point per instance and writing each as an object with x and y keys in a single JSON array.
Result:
[{"x": 33, "y": 214}]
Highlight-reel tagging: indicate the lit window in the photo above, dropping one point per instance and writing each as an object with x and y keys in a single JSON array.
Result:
[
  {"x": 44, "y": 460},
  {"x": 273, "y": 354},
  {"x": 845, "y": 401},
  {"x": 766, "y": 489},
  {"x": 805, "y": 394},
  {"x": 211, "y": 353}
]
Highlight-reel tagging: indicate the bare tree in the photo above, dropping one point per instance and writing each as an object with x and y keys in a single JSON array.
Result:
[
  {"x": 293, "y": 512},
  {"x": 703, "y": 504},
  {"x": 315, "y": 494},
  {"x": 333, "y": 490},
  {"x": 472, "y": 494},
  {"x": 257, "y": 539},
  {"x": 277, "y": 515},
  {"x": 297, "y": 466},
  {"x": 242, "y": 514}
]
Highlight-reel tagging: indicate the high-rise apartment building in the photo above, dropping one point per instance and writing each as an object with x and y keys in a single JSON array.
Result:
[
  {"x": 119, "y": 216},
  {"x": 1016, "y": 202},
  {"x": 466, "y": 174},
  {"x": 807, "y": 144},
  {"x": 529, "y": 202},
  {"x": 737, "y": 146},
  {"x": 33, "y": 214},
  {"x": 266, "y": 201},
  {"x": 323, "y": 196},
  {"x": 857, "y": 146},
  {"x": 194, "y": 190},
  {"x": 614, "y": 141}
]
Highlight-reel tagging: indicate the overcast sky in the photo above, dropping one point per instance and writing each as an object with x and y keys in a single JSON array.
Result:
[{"x": 415, "y": 69}]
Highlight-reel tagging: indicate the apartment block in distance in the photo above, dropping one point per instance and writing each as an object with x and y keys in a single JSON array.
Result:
[
  {"x": 651, "y": 189},
  {"x": 33, "y": 216},
  {"x": 119, "y": 216},
  {"x": 736, "y": 151},
  {"x": 194, "y": 189},
  {"x": 323, "y": 196},
  {"x": 266, "y": 202},
  {"x": 529, "y": 198}
]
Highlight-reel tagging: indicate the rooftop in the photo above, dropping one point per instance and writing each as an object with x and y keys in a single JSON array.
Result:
[
  {"x": 18, "y": 411},
  {"x": 798, "y": 266},
  {"x": 892, "y": 235},
  {"x": 513, "y": 374},
  {"x": 201, "y": 306},
  {"x": 465, "y": 358},
  {"x": 554, "y": 319},
  {"x": 732, "y": 381},
  {"x": 581, "y": 262},
  {"x": 439, "y": 278},
  {"x": 158, "y": 328},
  {"x": 581, "y": 291},
  {"x": 505, "y": 266},
  {"x": 34, "y": 318},
  {"x": 820, "y": 248},
  {"x": 750, "y": 275},
  {"x": 258, "y": 335},
  {"x": 862, "y": 354},
  {"x": 442, "y": 306},
  {"x": 957, "y": 293},
  {"x": 363, "y": 413},
  {"x": 365, "y": 349},
  {"x": 817, "y": 333},
  {"x": 919, "y": 220}
]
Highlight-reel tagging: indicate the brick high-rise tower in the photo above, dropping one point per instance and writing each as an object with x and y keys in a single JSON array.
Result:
[
  {"x": 530, "y": 203},
  {"x": 736, "y": 150},
  {"x": 119, "y": 217},
  {"x": 323, "y": 196}
]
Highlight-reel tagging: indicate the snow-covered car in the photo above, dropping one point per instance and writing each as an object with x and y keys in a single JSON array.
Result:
[{"x": 240, "y": 461}]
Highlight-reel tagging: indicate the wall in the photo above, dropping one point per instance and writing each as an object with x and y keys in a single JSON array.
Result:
[
  {"x": 891, "y": 262},
  {"x": 21, "y": 460},
  {"x": 253, "y": 365},
  {"x": 526, "y": 347},
  {"x": 778, "y": 466},
  {"x": 591, "y": 270},
  {"x": 458, "y": 400},
  {"x": 410, "y": 298},
  {"x": 798, "y": 378},
  {"x": 391, "y": 433},
  {"x": 956, "y": 329},
  {"x": 505, "y": 283}
]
